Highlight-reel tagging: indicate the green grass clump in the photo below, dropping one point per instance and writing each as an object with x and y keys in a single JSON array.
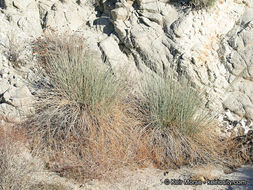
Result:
[
  {"x": 72, "y": 90},
  {"x": 81, "y": 81},
  {"x": 170, "y": 104},
  {"x": 179, "y": 127},
  {"x": 77, "y": 78}
]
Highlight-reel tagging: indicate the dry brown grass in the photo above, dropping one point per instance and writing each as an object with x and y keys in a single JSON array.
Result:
[
  {"x": 14, "y": 172},
  {"x": 179, "y": 150},
  {"x": 111, "y": 143},
  {"x": 17, "y": 167},
  {"x": 240, "y": 149}
]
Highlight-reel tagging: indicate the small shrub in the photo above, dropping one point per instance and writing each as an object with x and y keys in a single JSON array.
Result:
[{"x": 240, "y": 148}]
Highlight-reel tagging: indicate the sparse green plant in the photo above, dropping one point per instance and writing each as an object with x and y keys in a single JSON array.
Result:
[{"x": 15, "y": 51}]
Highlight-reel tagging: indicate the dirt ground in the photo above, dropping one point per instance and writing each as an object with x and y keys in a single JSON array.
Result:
[{"x": 154, "y": 179}]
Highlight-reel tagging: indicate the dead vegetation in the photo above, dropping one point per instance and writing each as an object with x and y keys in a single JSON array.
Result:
[
  {"x": 14, "y": 171},
  {"x": 19, "y": 170},
  {"x": 8, "y": 174},
  {"x": 240, "y": 148}
]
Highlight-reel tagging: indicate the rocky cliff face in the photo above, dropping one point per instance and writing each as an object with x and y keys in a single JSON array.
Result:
[{"x": 213, "y": 48}]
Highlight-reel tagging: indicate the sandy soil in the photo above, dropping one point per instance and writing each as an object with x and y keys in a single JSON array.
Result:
[{"x": 153, "y": 179}]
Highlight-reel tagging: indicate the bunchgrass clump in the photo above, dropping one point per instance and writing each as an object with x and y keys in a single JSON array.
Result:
[
  {"x": 72, "y": 90},
  {"x": 177, "y": 122},
  {"x": 76, "y": 77},
  {"x": 82, "y": 121},
  {"x": 87, "y": 124}
]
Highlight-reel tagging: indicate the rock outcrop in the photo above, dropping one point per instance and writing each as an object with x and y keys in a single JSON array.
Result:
[{"x": 211, "y": 48}]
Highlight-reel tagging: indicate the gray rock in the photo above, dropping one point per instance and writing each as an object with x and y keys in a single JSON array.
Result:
[
  {"x": 21, "y": 98},
  {"x": 155, "y": 17},
  {"x": 21, "y": 4},
  {"x": 67, "y": 16},
  {"x": 10, "y": 112},
  {"x": 4, "y": 41},
  {"x": 119, "y": 14},
  {"x": 170, "y": 16},
  {"x": 24, "y": 15},
  {"x": 112, "y": 52},
  {"x": 120, "y": 29},
  {"x": 238, "y": 103},
  {"x": 150, "y": 5},
  {"x": 238, "y": 61},
  {"x": 4, "y": 85},
  {"x": 103, "y": 24},
  {"x": 247, "y": 16}
]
